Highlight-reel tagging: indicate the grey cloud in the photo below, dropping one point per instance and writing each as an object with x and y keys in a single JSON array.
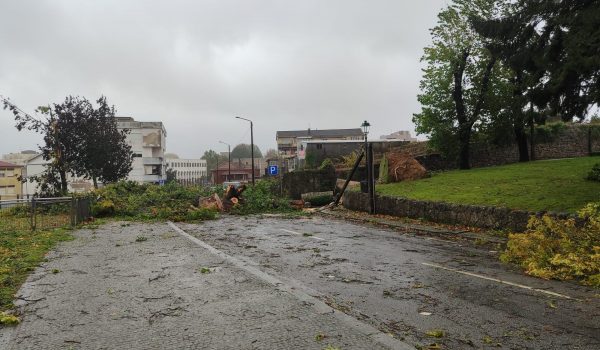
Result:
[{"x": 196, "y": 64}]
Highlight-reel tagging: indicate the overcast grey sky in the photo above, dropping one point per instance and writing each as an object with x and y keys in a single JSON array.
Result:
[{"x": 196, "y": 64}]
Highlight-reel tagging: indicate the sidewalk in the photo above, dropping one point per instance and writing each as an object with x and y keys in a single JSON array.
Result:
[{"x": 145, "y": 286}]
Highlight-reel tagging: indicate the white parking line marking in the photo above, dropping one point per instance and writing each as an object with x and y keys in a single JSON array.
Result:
[
  {"x": 498, "y": 280},
  {"x": 301, "y": 234}
]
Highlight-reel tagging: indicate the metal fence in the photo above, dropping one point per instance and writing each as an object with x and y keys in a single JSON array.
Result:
[{"x": 43, "y": 213}]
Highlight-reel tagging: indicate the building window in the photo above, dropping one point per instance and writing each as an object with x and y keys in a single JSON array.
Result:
[
  {"x": 137, "y": 155},
  {"x": 7, "y": 190},
  {"x": 319, "y": 146}
]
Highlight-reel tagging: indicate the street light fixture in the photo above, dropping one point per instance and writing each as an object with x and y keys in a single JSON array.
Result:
[
  {"x": 229, "y": 153},
  {"x": 365, "y": 127},
  {"x": 251, "y": 144}
]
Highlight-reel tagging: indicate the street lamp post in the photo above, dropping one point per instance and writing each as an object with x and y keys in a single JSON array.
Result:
[
  {"x": 229, "y": 154},
  {"x": 251, "y": 144},
  {"x": 369, "y": 161}
]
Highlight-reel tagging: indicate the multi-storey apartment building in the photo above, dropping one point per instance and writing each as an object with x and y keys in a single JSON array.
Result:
[{"x": 148, "y": 144}]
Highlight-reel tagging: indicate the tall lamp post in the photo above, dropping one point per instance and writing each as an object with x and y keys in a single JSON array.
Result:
[
  {"x": 369, "y": 161},
  {"x": 229, "y": 153},
  {"x": 251, "y": 144}
]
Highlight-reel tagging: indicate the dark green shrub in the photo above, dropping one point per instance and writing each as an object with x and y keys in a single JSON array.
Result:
[
  {"x": 103, "y": 208},
  {"x": 201, "y": 214},
  {"x": 319, "y": 201},
  {"x": 594, "y": 174},
  {"x": 264, "y": 197}
]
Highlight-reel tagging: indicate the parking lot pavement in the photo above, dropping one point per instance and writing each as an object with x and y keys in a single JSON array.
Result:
[{"x": 146, "y": 286}]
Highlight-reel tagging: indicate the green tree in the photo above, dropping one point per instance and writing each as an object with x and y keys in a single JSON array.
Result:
[
  {"x": 105, "y": 155},
  {"x": 459, "y": 80},
  {"x": 171, "y": 175},
  {"x": 552, "y": 50},
  {"x": 244, "y": 150},
  {"x": 78, "y": 140},
  {"x": 212, "y": 159}
]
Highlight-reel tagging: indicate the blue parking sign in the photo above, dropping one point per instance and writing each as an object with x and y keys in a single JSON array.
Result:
[{"x": 273, "y": 170}]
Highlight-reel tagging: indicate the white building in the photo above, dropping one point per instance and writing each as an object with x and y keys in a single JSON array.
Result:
[
  {"x": 19, "y": 158},
  {"x": 37, "y": 165},
  {"x": 148, "y": 144},
  {"x": 187, "y": 171},
  {"x": 402, "y": 135}
]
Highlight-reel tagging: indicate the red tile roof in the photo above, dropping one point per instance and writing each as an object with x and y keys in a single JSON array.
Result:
[{"x": 4, "y": 164}]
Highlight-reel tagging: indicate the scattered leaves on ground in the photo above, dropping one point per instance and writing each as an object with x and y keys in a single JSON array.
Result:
[
  {"x": 435, "y": 333},
  {"x": 8, "y": 319},
  {"x": 320, "y": 336}
]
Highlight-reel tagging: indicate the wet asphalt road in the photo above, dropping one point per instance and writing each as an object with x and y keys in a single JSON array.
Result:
[{"x": 410, "y": 285}]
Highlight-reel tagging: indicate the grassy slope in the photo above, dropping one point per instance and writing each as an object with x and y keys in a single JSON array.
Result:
[
  {"x": 20, "y": 252},
  {"x": 555, "y": 185}
]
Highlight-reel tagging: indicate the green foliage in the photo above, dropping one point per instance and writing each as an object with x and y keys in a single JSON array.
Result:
[
  {"x": 327, "y": 164},
  {"x": 21, "y": 251},
  {"x": 8, "y": 319},
  {"x": 310, "y": 160},
  {"x": 212, "y": 159},
  {"x": 549, "y": 131},
  {"x": 201, "y": 214},
  {"x": 559, "y": 248},
  {"x": 349, "y": 160},
  {"x": 103, "y": 208},
  {"x": 145, "y": 201},
  {"x": 594, "y": 174},
  {"x": 554, "y": 45},
  {"x": 263, "y": 197},
  {"x": 556, "y": 185},
  {"x": 450, "y": 112},
  {"x": 79, "y": 139},
  {"x": 384, "y": 171}
]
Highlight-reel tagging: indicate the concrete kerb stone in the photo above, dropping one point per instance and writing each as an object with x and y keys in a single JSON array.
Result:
[{"x": 302, "y": 293}]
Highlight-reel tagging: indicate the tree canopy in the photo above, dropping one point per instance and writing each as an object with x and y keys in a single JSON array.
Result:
[
  {"x": 79, "y": 140},
  {"x": 243, "y": 150},
  {"x": 498, "y": 68},
  {"x": 461, "y": 82}
]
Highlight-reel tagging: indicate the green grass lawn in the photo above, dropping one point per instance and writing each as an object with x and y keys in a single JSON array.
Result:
[
  {"x": 554, "y": 185},
  {"x": 21, "y": 251}
]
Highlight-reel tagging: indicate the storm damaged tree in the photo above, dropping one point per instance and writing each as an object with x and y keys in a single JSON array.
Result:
[
  {"x": 460, "y": 81},
  {"x": 79, "y": 140}
]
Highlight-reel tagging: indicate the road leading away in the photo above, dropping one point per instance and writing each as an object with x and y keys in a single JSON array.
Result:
[
  {"x": 275, "y": 283},
  {"x": 423, "y": 290}
]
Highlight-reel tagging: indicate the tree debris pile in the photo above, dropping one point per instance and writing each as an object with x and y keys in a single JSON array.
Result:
[
  {"x": 263, "y": 197},
  {"x": 402, "y": 167}
]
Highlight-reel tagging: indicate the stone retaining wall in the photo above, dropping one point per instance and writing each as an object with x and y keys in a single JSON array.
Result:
[{"x": 444, "y": 213}]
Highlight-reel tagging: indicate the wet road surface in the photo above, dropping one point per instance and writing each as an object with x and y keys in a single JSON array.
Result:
[{"x": 427, "y": 291}]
